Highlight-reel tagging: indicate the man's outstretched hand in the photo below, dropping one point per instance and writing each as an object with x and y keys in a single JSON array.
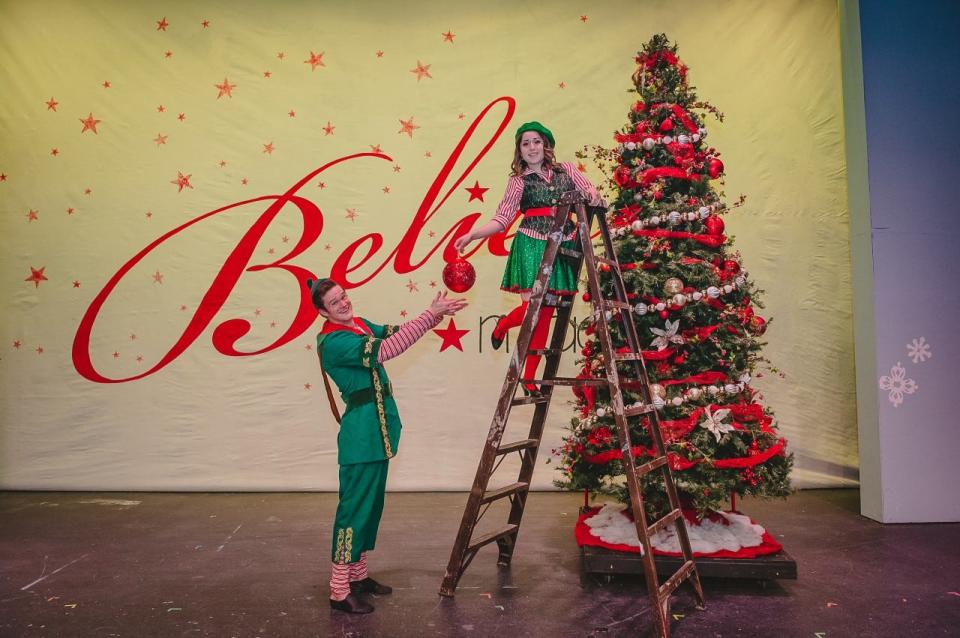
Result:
[{"x": 442, "y": 306}]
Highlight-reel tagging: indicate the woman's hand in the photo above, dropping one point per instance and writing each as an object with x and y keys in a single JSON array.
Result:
[
  {"x": 442, "y": 306},
  {"x": 462, "y": 242}
]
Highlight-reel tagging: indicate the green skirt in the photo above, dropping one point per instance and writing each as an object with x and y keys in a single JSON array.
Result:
[{"x": 523, "y": 264}]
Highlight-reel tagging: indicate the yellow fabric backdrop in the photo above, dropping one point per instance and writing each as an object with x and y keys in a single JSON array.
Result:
[{"x": 78, "y": 204}]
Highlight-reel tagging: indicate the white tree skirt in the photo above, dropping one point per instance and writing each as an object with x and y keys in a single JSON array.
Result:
[{"x": 611, "y": 525}]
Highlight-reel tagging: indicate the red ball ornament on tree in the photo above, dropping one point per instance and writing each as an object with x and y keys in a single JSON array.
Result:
[
  {"x": 758, "y": 325},
  {"x": 714, "y": 225},
  {"x": 666, "y": 125},
  {"x": 459, "y": 275},
  {"x": 714, "y": 168},
  {"x": 731, "y": 266}
]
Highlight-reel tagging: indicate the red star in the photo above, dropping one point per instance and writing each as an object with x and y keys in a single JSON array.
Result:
[
  {"x": 133, "y": 337},
  {"x": 328, "y": 129},
  {"x": 321, "y": 185},
  {"x": 3, "y": 177},
  {"x": 257, "y": 312},
  {"x": 139, "y": 358},
  {"x": 451, "y": 336},
  {"x": 205, "y": 24},
  {"x": 106, "y": 84},
  {"x": 168, "y": 54},
  {"x": 308, "y": 347},
  {"x": 284, "y": 239},
  {"x": 583, "y": 18},
  {"x": 327, "y": 247},
  {"x": 422, "y": 71},
  {"x": 52, "y": 104},
  {"x": 280, "y": 55},
  {"x": 222, "y": 163},
  {"x": 476, "y": 191},
  {"x": 182, "y": 181},
  {"x": 448, "y": 36},
  {"x": 225, "y": 89},
  {"x": 69, "y": 210},
  {"x": 36, "y": 276},
  {"x": 581, "y": 167},
  {"x": 182, "y": 308},
  {"x": 32, "y": 216},
  {"x": 161, "y": 109},
  {"x": 54, "y": 151},
  {"x": 76, "y": 283},
  {"x": 431, "y": 234},
  {"x": 157, "y": 277},
  {"x": 181, "y": 117},
  {"x": 433, "y": 284},
  {"x": 270, "y": 251},
  {"x": 116, "y": 355},
  {"x": 396, "y": 168},
  {"x": 351, "y": 214},
  {"x": 160, "y": 139},
  {"x": 461, "y": 116},
  {"x": 407, "y": 126},
  {"x": 244, "y": 181},
  {"x": 307, "y": 386},
  {"x": 273, "y": 324},
  {"x": 292, "y": 113},
  {"x": 162, "y": 24},
  {"x": 89, "y": 124},
  {"x": 428, "y": 154},
  {"x": 403, "y": 313},
  {"x": 316, "y": 59},
  {"x": 17, "y": 344},
  {"x": 267, "y": 74},
  {"x": 87, "y": 191},
  {"x": 411, "y": 286},
  {"x": 268, "y": 148},
  {"x": 39, "y": 349},
  {"x": 375, "y": 148},
  {"x": 562, "y": 85},
  {"x": 386, "y": 190},
  {"x": 148, "y": 214},
  {"x": 379, "y": 54}
]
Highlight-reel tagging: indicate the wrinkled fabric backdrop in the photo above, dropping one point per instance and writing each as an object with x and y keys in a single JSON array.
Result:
[{"x": 124, "y": 124}]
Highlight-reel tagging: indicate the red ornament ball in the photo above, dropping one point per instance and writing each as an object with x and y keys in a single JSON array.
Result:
[
  {"x": 666, "y": 125},
  {"x": 758, "y": 325},
  {"x": 664, "y": 314},
  {"x": 714, "y": 225},
  {"x": 714, "y": 168},
  {"x": 731, "y": 266},
  {"x": 459, "y": 275}
]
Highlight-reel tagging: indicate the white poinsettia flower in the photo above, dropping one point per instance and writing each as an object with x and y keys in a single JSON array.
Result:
[
  {"x": 714, "y": 422},
  {"x": 667, "y": 336}
]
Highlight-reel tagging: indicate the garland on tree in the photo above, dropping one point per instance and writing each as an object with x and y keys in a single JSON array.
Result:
[{"x": 694, "y": 312}]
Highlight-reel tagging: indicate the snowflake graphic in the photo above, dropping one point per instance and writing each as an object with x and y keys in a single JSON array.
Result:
[
  {"x": 919, "y": 350},
  {"x": 898, "y": 384}
]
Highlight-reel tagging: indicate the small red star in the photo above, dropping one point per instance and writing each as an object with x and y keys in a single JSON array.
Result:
[
  {"x": 451, "y": 336},
  {"x": 268, "y": 148},
  {"x": 32, "y": 216},
  {"x": 36, "y": 276},
  {"x": 351, "y": 214},
  {"x": 257, "y": 312},
  {"x": 581, "y": 167},
  {"x": 307, "y": 386},
  {"x": 428, "y": 154},
  {"x": 476, "y": 191},
  {"x": 181, "y": 117},
  {"x": 139, "y": 358},
  {"x": 327, "y": 247},
  {"x": 116, "y": 355},
  {"x": 448, "y": 36},
  {"x": 182, "y": 181},
  {"x": 17, "y": 344},
  {"x": 281, "y": 55},
  {"x": 157, "y": 277},
  {"x": 69, "y": 210},
  {"x": 407, "y": 126},
  {"x": 133, "y": 337},
  {"x": 39, "y": 349},
  {"x": 562, "y": 85},
  {"x": 292, "y": 113},
  {"x": 270, "y": 251},
  {"x": 87, "y": 191},
  {"x": 244, "y": 181},
  {"x": 182, "y": 308},
  {"x": 106, "y": 84},
  {"x": 222, "y": 163},
  {"x": 3, "y": 177},
  {"x": 375, "y": 148},
  {"x": 328, "y": 129},
  {"x": 308, "y": 347},
  {"x": 52, "y": 104},
  {"x": 168, "y": 54},
  {"x": 54, "y": 151},
  {"x": 76, "y": 283},
  {"x": 160, "y": 139},
  {"x": 267, "y": 74},
  {"x": 396, "y": 168},
  {"x": 89, "y": 124},
  {"x": 225, "y": 89},
  {"x": 386, "y": 190},
  {"x": 316, "y": 59},
  {"x": 461, "y": 116},
  {"x": 205, "y": 24},
  {"x": 403, "y": 313},
  {"x": 431, "y": 234},
  {"x": 422, "y": 71},
  {"x": 433, "y": 284},
  {"x": 379, "y": 54},
  {"x": 162, "y": 24},
  {"x": 583, "y": 18},
  {"x": 284, "y": 239},
  {"x": 161, "y": 109},
  {"x": 411, "y": 286},
  {"x": 273, "y": 324},
  {"x": 321, "y": 185},
  {"x": 148, "y": 214}
]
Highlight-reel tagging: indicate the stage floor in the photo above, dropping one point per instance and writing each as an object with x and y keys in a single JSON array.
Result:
[{"x": 146, "y": 564}]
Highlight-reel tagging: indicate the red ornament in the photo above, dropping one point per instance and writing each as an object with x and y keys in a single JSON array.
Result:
[
  {"x": 459, "y": 275},
  {"x": 666, "y": 125},
  {"x": 731, "y": 266},
  {"x": 714, "y": 168},
  {"x": 621, "y": 176},
  {"x": 758, "y": 325},
  {"x": 714, "y": 225},
  {"x": 664, "y": 314}
]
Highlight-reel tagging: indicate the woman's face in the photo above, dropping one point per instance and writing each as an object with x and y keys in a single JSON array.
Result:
[
  {"x": 337, "y": 305},
  {"x": 531, "y": 148}
]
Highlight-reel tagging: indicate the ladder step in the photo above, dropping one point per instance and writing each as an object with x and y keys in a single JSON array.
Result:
[
  {"x": 495, "y": 535},
  {"x": 620, "y": 305},
  {"x": 501, "y": 492},
  {"x": 650, "y": 466},
  {"x": 628, "y": 356},
  {"x": 610, "y": 262},
  {"x": 663, "y": 522},
  {"x": 540, "y": 398},
  {"x": 638, "y": 410},
  {"x": 567, "y": 381},
  {"x": 568, "y": 252},
  {"x": 516, "y": 446},
  {"x": 674, "y": 581},
  {"x": 547, "y": 352}
]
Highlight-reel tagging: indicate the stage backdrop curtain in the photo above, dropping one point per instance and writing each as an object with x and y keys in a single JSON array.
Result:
[{"x": 145, "y": 150}]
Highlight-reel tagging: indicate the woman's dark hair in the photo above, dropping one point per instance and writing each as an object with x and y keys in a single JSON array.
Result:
[
  {"x": 549, "y": 159},
  {"x": 318, "y": 289}
]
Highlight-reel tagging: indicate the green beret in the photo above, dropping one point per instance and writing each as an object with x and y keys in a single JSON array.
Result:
[{"x": 539, "y": 128}]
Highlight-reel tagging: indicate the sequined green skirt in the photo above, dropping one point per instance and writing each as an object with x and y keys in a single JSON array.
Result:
[{"x": 523, "y": 264}]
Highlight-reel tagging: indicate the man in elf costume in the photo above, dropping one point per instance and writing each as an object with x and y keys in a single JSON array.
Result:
[{"x": 352, "y": 351}]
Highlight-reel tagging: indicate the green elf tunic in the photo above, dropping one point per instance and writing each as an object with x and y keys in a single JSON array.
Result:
[
  {"x": 526, "y": 251},
  {"x": 369, "y": 431}
]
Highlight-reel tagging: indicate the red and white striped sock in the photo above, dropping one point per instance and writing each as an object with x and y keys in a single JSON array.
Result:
[
  {"x": 358, "y": 570},
  {"x": 340, "y": 581}
]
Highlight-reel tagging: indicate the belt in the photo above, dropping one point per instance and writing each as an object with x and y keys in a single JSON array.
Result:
[
  {"x": 546, "y": 211},
  {"x": 367, "y": 395}
]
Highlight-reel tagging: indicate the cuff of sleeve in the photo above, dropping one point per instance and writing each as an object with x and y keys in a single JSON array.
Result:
[{"x": 370, "y": 351}]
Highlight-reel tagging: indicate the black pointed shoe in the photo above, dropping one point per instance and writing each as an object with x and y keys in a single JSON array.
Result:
[
  {"x": 369, "y": 586},
  {"x": 352, "y": 604},
  {"x": 494, "y": 341}
]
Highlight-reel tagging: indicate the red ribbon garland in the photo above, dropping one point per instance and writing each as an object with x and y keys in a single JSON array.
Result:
[
  {"x": 711, "y": 241},
  {"x": 678, "y": 463},
  {"x": 666, "y": 171},
  {"x": 704, "y": 378}
]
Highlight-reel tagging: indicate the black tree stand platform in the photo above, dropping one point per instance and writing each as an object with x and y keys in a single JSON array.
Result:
[{"x": 600, "y": 560}]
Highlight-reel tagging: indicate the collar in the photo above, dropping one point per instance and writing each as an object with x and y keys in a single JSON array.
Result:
[
  {"x": 548, "y": 175},
  {"x": 359, "y": 327}
]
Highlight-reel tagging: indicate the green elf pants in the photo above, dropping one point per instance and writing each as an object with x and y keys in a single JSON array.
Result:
[{"x": 362, "y": 486}]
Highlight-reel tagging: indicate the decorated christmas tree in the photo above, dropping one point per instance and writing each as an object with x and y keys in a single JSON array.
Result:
[{"x": 694, "y": 311}]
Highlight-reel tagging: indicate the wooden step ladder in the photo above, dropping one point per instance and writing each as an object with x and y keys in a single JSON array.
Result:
[{"x": 466, "y": 546}]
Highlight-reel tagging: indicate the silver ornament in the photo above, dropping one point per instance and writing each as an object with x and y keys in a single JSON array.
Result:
[
  {"x": 713, "y": 292},
  {"x": 672, "y": 286},
  {"x": 648, "y": 143}
]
